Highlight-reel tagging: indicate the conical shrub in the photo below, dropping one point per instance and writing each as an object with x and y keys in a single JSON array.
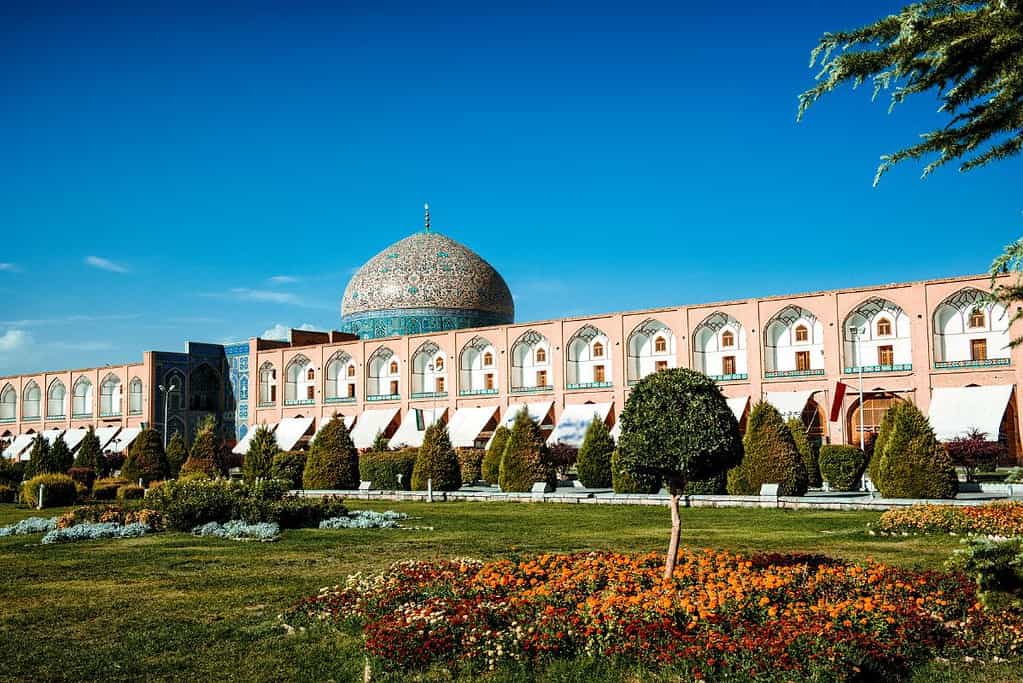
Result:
[
  {"x": 807, "y": 452},
  {"x": 90, "y": 454},
  {"x": 770, "y": 456},
  {"x": 333, "y": 461},
  {"x": 204, "y": 456},
  {"x": 594, "y": 461},
  {"x": 437, "y": 461},
  {"x": 913, "y": 464},
  {"x": 492, "y": 461},
  {"x": 177, "y": 454},
  {"x": 146, "y": 459},
  {"x": 525, "y": 460},
  {"x": 39, "y": 460},
  {"x": 260, "y": 456}
]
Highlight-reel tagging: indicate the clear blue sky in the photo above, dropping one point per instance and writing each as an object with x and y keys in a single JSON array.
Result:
[{"x": 602, "y": 158}]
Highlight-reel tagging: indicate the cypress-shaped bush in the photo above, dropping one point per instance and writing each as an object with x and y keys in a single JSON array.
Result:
[
  {"x": 842, "y": 466},
  {"x": 525, "y": 459},
  {"x": 807, "y": 452},
  {"x": 470, "y": 462},
  {"x": 437, "y": 461},
  {"x": 874, "y": 466},
  {"x": 39, "y": 460},
  {"x": 771, "y": 456},
  {"x": 259, "y": 458},
  {"x": 913, "y": 463},
  {"x": 333, "y": 462},
  {"x": 61, "y": 455},
  {"x": 623, "y": 482},
  {"x": 382, "y": 468},
  {"x": 90, "y": 454},
  {"x": 146, "y": 459},
  {"x": 204, "y": 456},
  {"x": 289, "y": 466},
  {"x": 491, "y": 468},
  {"x": 594, "y": 461},
  {"x": 177, "y": 454}
]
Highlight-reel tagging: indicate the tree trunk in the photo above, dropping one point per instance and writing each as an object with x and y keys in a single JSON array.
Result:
[{"x": 676, "y": 532}]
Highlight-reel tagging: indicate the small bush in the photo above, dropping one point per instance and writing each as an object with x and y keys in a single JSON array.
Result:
[
  {"x": 206, "y": 454},
  {"x": 85, "y": 476},
  {"x": 293, "y": 512},
  {"x": 289, "y": 465},
  {"x": 364, "y": 519},
  {"x": 333, "y": 461},
  {"x": 996, "y": 566},
  {"x": 842, "y": 466},
  {"x": 526, "y": 459},
  {"x": 436, "y": 462},
  {"x": 470, "y": 462},
  {"x": 185, "y": 505},
  {"x": 130, "y": 492},
  {"x": 59, "y": 490},
  {"x": 8, "y": 494},
  {"x": 594, "y": 461},
  {"x": 623, "y": 482},
  {"x": 106, "y": 489},
  {"x": 29, "y": 525},
  {"x": 381, "y": 468},
  {"x": 491, "y": 468},
  {"x": 109, "y": 513},
  {"x": 562, "y": 458}
]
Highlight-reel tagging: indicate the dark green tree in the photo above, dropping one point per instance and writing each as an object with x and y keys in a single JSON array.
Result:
[
  {"x": 913, "y": 464},
  {"x": 807, "y": 452},
  {"x": 90, "y": 454},
  {"x": 969, "y": 54},
  {"x": 677, "y": 427},
  {"x": 381, "y": 444},
  {"x": 842, "y": 466},
  {"x": 874, "y": 464},
  {"x": 771, "y": 456},
  {"x": 39, "y": 461},
  {"x": 260, "y": 456},
  {"x": 205, "y": 454},
  {"x": 437, "y": 461},
  {"x": 146, "y": 459},
  {"x": 525, "y": 460},
  {"x": 177, "y": 454},
  {"x": 492, "y": 461},
  {"x": 594, "y": 461},
  {"x": 60, "y": 455},
  {"x": 333, "y": 461}
]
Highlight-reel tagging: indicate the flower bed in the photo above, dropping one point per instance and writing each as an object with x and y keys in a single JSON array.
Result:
[
  {"x": 365, "y": 519},
  {"x": 776, "y": 617},
  {"x": 993, "y": 519},
  {"x": 91, "y": 531},
  {"x": 29, "y": 525},
  {"x": 109, "y": 513},
  {"x": 238, "y": 530}
]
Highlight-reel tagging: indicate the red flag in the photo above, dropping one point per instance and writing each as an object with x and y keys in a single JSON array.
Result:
[{"x": 836, "y": 403}]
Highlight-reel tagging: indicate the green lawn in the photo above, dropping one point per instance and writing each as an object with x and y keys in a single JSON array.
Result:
[{"x": 171, "y": 606}]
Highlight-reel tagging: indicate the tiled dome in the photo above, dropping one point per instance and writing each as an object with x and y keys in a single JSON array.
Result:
[{"x": 424, "y": 283}]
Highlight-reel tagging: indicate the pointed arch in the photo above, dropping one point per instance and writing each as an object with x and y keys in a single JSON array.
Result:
[
  {"x": 429, "y": 371},
  {"x": 793, "y": 343},
  {"x": 299, "y": 388},
  {"x": 720, "y": 348},
  {"x": 8, "y": 403},
  {"x": 267, "y": 384},
  {"x": 383, "y": 375},
  {"x": 649, "y": 348},
  {"x": 970, "y": 330},
  {"x": 587, "y": 362},
  {"x": 531, "y": 363},
  {"x": 110, "y": 395},
  {"x": 56, "y": 394},
  {"x": 876, "y": 337},
  {"x": 175, "y": 398},
  {"x": 31, "y": 401},
  {"x": 135, "y": 396},
  {"x": 339, "y": 377},
  {"x": 204, "y": 389},
  {"x": 82, "y": 398},
  {"x": 477, "y": 367}
]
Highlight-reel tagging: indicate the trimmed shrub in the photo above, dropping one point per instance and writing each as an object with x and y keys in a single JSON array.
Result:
[
  {"x": 59, "y": 490},
  {"x": 333, "y": 462},
  {"x": 491, "y": 468},
  {"x": 470, "y": 463},
  {"x": 912, "y": 462},
  {"x": 177, "y": 454},
  {"x": 770, "y": 456},
  {"x": 259, "y": 458},
  {"x": 130, "y": 492},
  {"x": 289, "y": 466},
  {"x": 89, "y": 454},
  {"x": 205, "y": 455},
  {"x": 381, "y": 468},
  {"x": 594, "y": 461},
  {"x": 623, "y": 482},
  {"x": 525, "y": 460},
  {"x": 39, "y": 461},
  {"x": 842, "y": 466},
  {"x": 807, "y": 452},
  {"x": 8, "y": 494},
  {"x": 106, "y": 489},
  {"x": 716, "y": 485},
  {"x": 293, "y": 512},
  {"x": 146, "y": 459},
  {"x": 185, "y": 505},
  {"x": 83, "y": 475},
  {"x": 436, "y": 461},
  {"x": 974, "y": 453}
]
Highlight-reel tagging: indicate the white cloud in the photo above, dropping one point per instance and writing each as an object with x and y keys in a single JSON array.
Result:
[
  {"x": 282, "y": 333},
  {"x": 82, "y": 346},
  {"x": 32, "y": 322},
  {"x": 283, "y": 279},
  {"x": 9, "y": 267},
  {"x": 104, "y": 264},
  {"x": 265, "y": 295},
  {"x": 14, "y": 340}
]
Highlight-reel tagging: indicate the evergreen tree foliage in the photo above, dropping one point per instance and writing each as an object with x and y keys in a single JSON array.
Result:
[
  {"x": 437, "y": 461},
  {"x": 714, "y": 486},
  {"x": 60, "y": 455},
  {"x": 1009, "y": 294},
  {"x": 807, "y": 452},
  {"x": 39, "y": 461},
  {"x": 624, "y": 482},
  {"x": 492, "y": 461},
  {"x": 177, "y": 454},
  {"x": 842, "y": 466},
  {"x": 90, "y": 454},
  {"x": 968, "y": 54},
  {"x": 525, "y": 460},
  {"x": 771, "y": 456},
  {"x": 146, "y": 459},
  {"x": 260, "y": 456},
  {"x": 874, "y": 464},
  {"x": 333, "y": 461},
  {"x": 205, "y": 454},
  {"x": 381, "y": 444},
  {"x": 913, "y": 464},
  {"x": 594, "y": 461}
]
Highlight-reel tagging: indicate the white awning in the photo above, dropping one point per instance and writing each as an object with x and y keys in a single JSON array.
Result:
[
  {"x": 290, "y": 430},
  {"x": 537, "y": 411},
  {"x": 738, "y": 405},
  {"x": 370, "y": 423},
  {"x": 20, "y": 443},
  {"x": 408, "y": 433},
  {"x": 73, "y": 437},
  {"x": 51, "y": 436},
  {"x": 574, "y": 421},
  {"x": 121, "y": 442},
  {"x": 242, "y": 447},
  {"x": 789, "y": 403},
  {"x": 955, "y": 411},
  {"x": 106, "y": 435},
  {"x": 467, "y": 423}
]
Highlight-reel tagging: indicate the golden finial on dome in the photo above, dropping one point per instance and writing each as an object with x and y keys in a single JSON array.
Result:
[{"x": 427, "y": 219}]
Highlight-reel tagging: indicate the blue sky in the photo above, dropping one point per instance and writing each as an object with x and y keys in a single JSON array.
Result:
[{"x": 601, "y": 157}]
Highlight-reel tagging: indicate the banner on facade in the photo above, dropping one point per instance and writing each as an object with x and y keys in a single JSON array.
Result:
[{"x": 836, "y": 404}]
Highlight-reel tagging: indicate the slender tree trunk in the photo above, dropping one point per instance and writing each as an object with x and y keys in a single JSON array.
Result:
[{"x": 676, "y": 531}]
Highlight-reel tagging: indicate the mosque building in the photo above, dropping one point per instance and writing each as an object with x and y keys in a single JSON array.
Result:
[{"x": 428, "y": 332}]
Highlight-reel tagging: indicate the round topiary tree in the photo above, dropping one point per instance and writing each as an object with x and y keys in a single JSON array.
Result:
[
  {"x": 525, "y": 460},
  {"x": 491, "y": 468},
  {"x": 90, "y": 454},
  {"x": 624, "y": 482},
  {"x": 146, "y": 459},
  {"x": 333, "y": 462},
  {"x": 771, "y": 456},
  {"x": 437, "y": 461},
  {"x": 678, "y": 427},
  {"x": 177, "y": 454},
  {"x": 260, "y": 456},
  {"x": 807, "y": 452},
  {"x": 913, "y": 464},
  {"x": 842, "y": 466},
  {"x": 594, "y": 461}
]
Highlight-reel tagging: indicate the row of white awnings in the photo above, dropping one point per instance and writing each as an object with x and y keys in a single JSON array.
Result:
[{"x": 112, "y": 439}]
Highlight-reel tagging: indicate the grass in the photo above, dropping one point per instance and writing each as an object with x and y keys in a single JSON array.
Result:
[{"x": 174, "y": 607}]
